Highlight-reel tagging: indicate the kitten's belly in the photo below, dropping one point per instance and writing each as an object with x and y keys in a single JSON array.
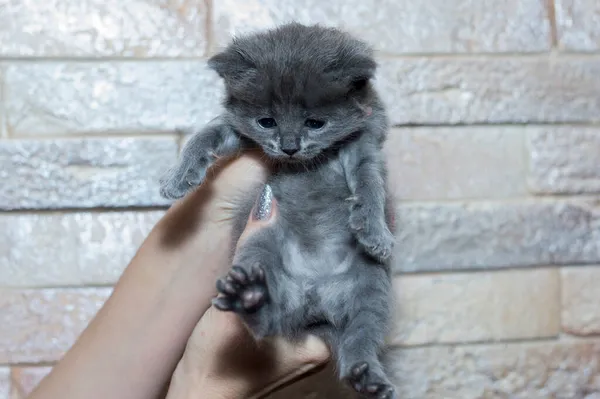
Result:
[
  {"x": 315, "y": 239},
  {"x": 329, "y": 259}
]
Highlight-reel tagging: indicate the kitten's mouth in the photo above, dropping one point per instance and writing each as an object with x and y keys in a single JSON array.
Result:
[
  {"x": 286, "y": 158},
  {"x": 291, "y": 159},
  {"x": 295, "y": 158}
]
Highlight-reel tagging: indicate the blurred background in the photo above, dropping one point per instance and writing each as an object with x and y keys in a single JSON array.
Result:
[{"x": 494, "y": 156}]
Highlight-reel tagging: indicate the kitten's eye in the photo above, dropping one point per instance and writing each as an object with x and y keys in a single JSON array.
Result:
[
  {"x": 267, "y": 123},
  {"x": 314, "y": 124}
]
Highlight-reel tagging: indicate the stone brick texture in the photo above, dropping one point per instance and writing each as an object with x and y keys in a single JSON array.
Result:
[{"x": 494, "y": 159}]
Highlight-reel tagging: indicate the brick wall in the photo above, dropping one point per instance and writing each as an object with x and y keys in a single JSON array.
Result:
[{"x": 494, "y": 157}]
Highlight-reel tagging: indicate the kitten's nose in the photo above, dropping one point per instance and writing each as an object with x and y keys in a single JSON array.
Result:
[{"x": 290, "y": 151}]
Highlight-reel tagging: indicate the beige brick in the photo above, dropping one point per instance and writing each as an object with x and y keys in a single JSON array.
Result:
[
  {"x": 402, "y": 26},
  {"x": 40, "y": 325},
  {"x": 3, "y": 131},
  {"x": 5, "y": 384},
  {"x": 490, "y": 90},
  {"x": 26, "y": 379},
  {"x": 96, "y": 28},
  {"x": 476, "y": 307},
  {"x": 542, "y": 370},
  {"x": 481, "y": 235},
  {"x": 578, "y": 24},
  {"x": 120, "y": 97},
  {"x": 84, "y": 173},
  {"x": 564, "y": 160},
  {"x": 55, "y": 249},
  {"x": 59, "y": 98},
  {"x": 581, "y": 300},
  {"x": 431, "y": 163}
]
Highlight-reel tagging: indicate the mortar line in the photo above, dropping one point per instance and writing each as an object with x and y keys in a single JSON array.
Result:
[
  {"x": 4, "y": 130},
  {"x": 500, "y": 342},
  {"x": 382, "y": 56},
  {"x": 552, "y": 19},
  {"x": 209, "y": 27}
]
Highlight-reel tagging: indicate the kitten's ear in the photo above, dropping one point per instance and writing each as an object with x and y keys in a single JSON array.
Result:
[
  {"x": 355, "y": 73},
  {"x": 359, "y": 83},
  {"x": 231, "y": 64},
  {"x": 361, "y": 72}
]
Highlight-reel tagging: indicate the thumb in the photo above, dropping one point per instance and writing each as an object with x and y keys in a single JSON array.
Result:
[
  {"x": 263, "y": 213},
  {"x": 292, "y": 362}
]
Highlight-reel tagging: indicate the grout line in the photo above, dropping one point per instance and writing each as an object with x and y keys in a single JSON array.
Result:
[
  {"x": 507, "y": 124},
  {"x": 4, "y": 131},
  {"x": 81, "y": 286},
  {"x": 176, "y": 133},
  {"x": 524, "y": 200},
  {"x": 489, "y": 343},
  {"x": 440, "y": 273},
  {"x": 466, "y": 202},
  {"x": 560, "y": 300},
  {"x": 527, "y": 149},
  {"x": 29, "y": 364},
  {"x": 181, "y": 137},
  {"x": 126, "y": 133},
  {"x": 552, "y": 20},
  {"x": 526, "y": 158},
  {"x": 567, "y": 337},
  {"x": 500, "y": 342},
  {"x": 73, "y": 210},
  {"x": 495, "y": 269},
  {"x": 99, "y": 60},
  {"x": 379, "y": 55},
  {"x": 556, "y": 339},
  {"x": 473, "y": 270},
  {"x": 209, "y": 27},
  {"x": 110, "y": 135}
]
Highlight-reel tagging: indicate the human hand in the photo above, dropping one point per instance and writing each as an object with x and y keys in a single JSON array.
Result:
[
  {"x": 223, "y": 361},
  {"x": 225, "y": 182},
  {"x": 190, "y": 246},
  {"x": 162, "y": 302}
]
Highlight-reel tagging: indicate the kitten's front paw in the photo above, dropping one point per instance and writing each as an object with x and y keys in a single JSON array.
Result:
[
  {"x": 368, "y": 383},
  {"x": 242, "y": 291},
  {"x": 372, "y": 234},
  {"x": 177, "y": 182}
]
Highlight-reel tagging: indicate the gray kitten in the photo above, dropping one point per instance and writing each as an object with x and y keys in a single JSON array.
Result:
[{"x": 303, "y": 94}]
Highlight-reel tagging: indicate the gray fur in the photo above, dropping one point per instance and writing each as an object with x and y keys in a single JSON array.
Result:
[{"x": 325, "y": 262}]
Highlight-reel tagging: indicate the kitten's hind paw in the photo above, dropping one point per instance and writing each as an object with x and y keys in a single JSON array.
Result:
[
  {"x": 377, "y": 242},
  {"x": 371, "y": 231},
  {"x": 369, "y": 384},
  {"x": 242, "y": 291}
]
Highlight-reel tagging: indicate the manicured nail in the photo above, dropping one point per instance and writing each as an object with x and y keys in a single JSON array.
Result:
[
  {"x": 264, "y": 205},
  {"x": 316, "y": 349}
]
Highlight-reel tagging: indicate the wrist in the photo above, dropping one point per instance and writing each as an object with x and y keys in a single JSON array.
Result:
[{"x": 185, "y": 385}]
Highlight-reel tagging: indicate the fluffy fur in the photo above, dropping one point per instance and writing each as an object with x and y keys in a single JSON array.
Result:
[{"x": 303, "y": 94}]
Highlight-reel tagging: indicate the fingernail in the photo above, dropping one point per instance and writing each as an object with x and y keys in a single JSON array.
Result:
[
  {"x": 315, "y": 351},
  {"x": 264, "y": 205}
]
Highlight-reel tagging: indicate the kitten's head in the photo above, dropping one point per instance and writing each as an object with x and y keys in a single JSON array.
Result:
[{"x": 297, "y": 90}]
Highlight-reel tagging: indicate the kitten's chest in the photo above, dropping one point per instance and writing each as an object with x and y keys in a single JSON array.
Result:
[{"x": 313, "y": 186}]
